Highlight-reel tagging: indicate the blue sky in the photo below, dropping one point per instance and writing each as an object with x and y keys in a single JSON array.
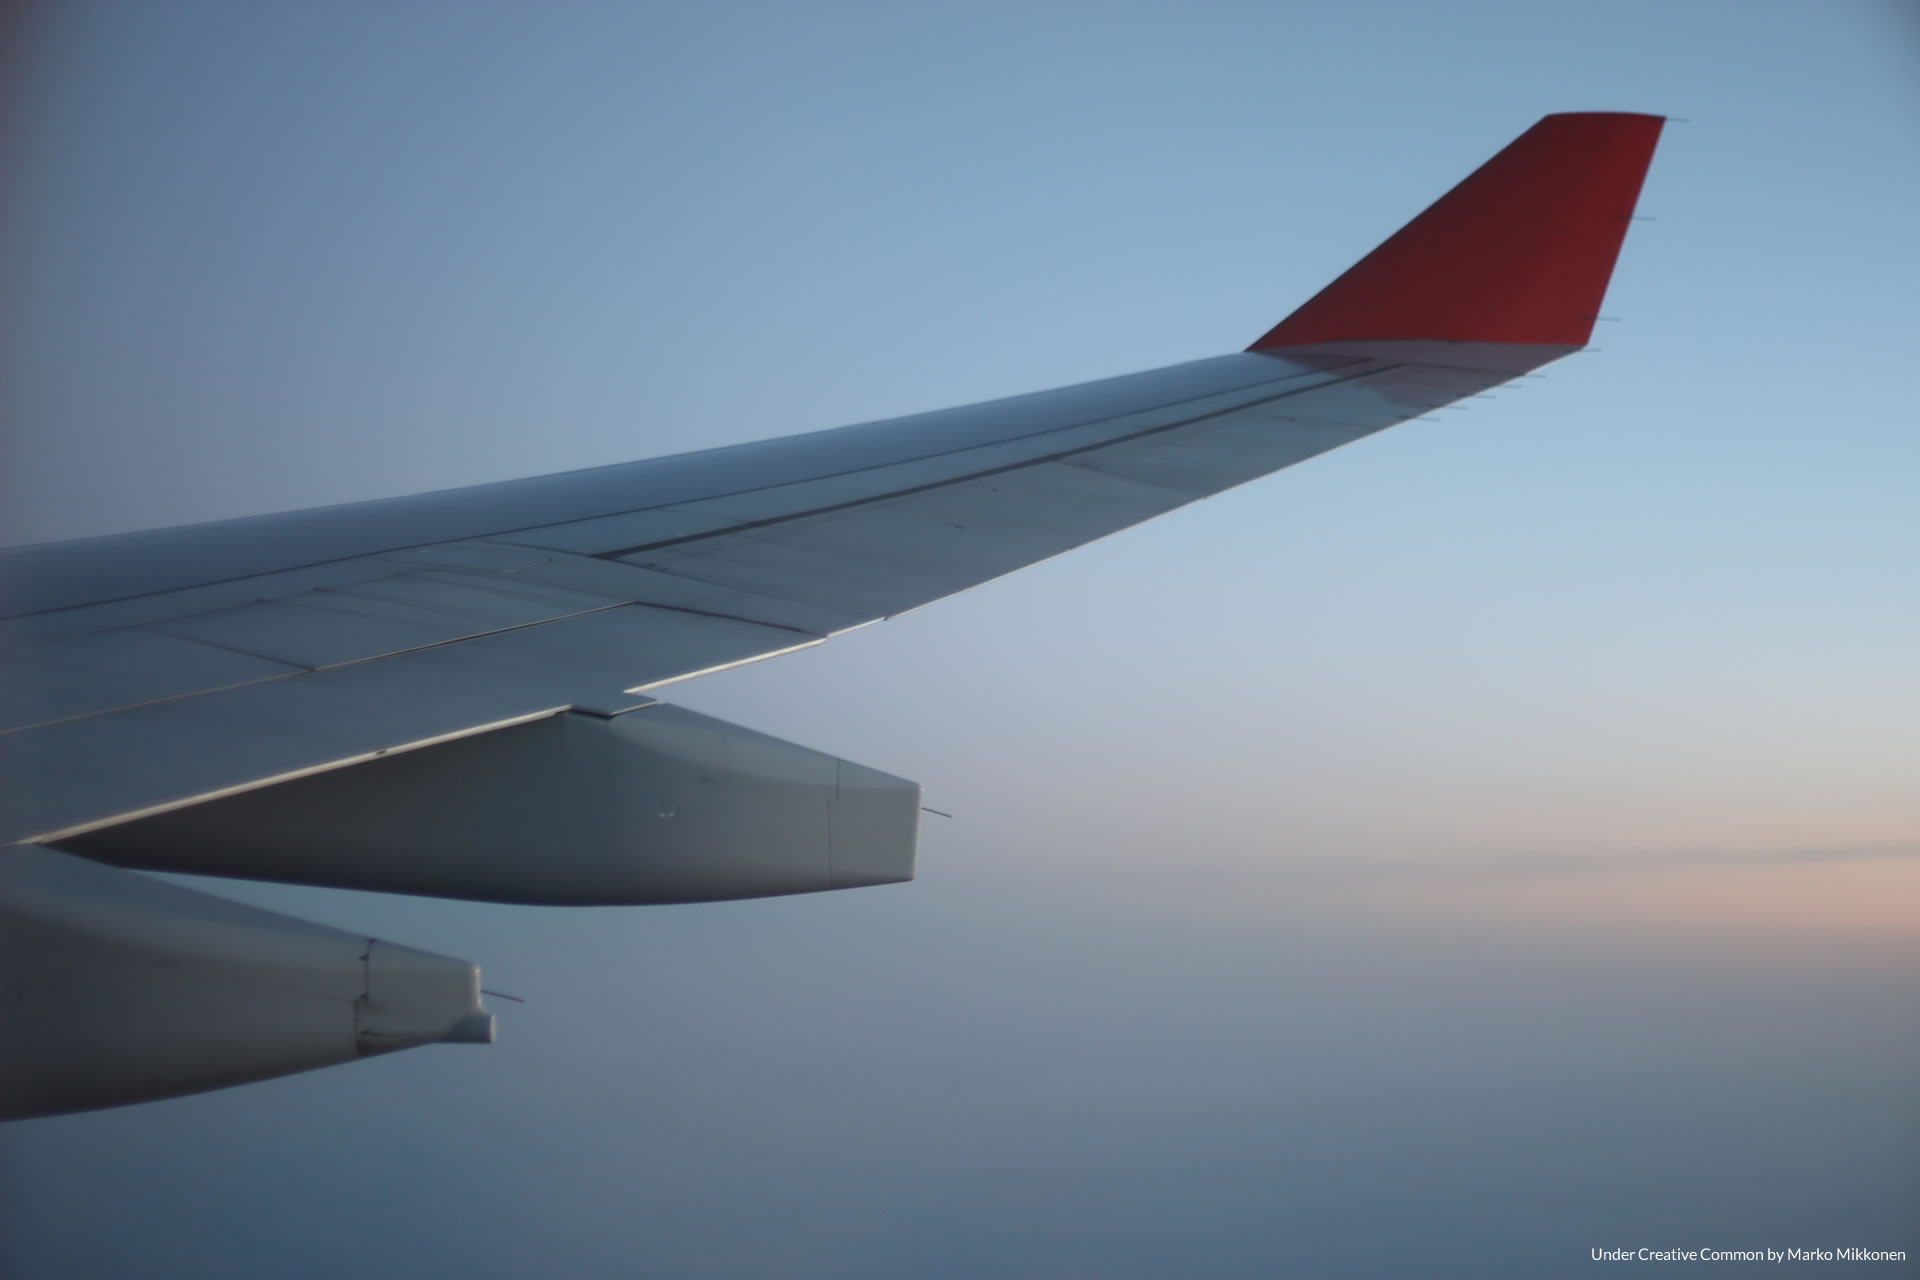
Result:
[{"x": 1497, "y": 839}]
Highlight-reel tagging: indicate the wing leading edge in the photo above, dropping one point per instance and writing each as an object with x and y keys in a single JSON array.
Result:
[{"x": 172, "y": 699}]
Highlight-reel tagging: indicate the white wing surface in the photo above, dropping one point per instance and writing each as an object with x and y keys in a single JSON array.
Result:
[{"x": 125, "y": 702}]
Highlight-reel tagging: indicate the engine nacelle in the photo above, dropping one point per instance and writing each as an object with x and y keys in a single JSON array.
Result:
[
  {"x": 117, "y": 988},
  {"x": 654, "y": 805}
]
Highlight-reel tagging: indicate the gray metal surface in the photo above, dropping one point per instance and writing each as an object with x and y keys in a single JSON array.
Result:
[
  {"x": 657, "y": 805},
  {"x": 88, "y": 674},
  {"x": 119, "y": 988},
  {"x": 61, "y": 777},
  {"x": 389, "y": 615}
]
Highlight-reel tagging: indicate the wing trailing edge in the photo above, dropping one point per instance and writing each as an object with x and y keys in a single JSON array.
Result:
[{"x": 1519, "y": 252}]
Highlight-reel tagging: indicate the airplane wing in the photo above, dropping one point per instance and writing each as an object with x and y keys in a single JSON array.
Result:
[{"x": 455, "y": 693}]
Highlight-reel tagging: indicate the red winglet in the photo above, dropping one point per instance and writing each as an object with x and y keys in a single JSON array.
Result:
[{"x": 1519, "y": 252}]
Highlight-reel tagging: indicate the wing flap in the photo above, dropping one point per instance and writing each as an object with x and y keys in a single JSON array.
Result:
[
  {"x": 76, "y": 774},
  {"x": 391, "y": 615},
  {"x": 668, "y": 591},
  {"x": 95, "y": 673},
  {"x": 1201, "y": 462},
  {"x": 20, "y": 633}
]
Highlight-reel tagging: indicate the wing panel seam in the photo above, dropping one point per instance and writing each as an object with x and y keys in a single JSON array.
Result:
[
  {"x": 393, "y": 653},
  {"x": 770, "y": 521}
]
